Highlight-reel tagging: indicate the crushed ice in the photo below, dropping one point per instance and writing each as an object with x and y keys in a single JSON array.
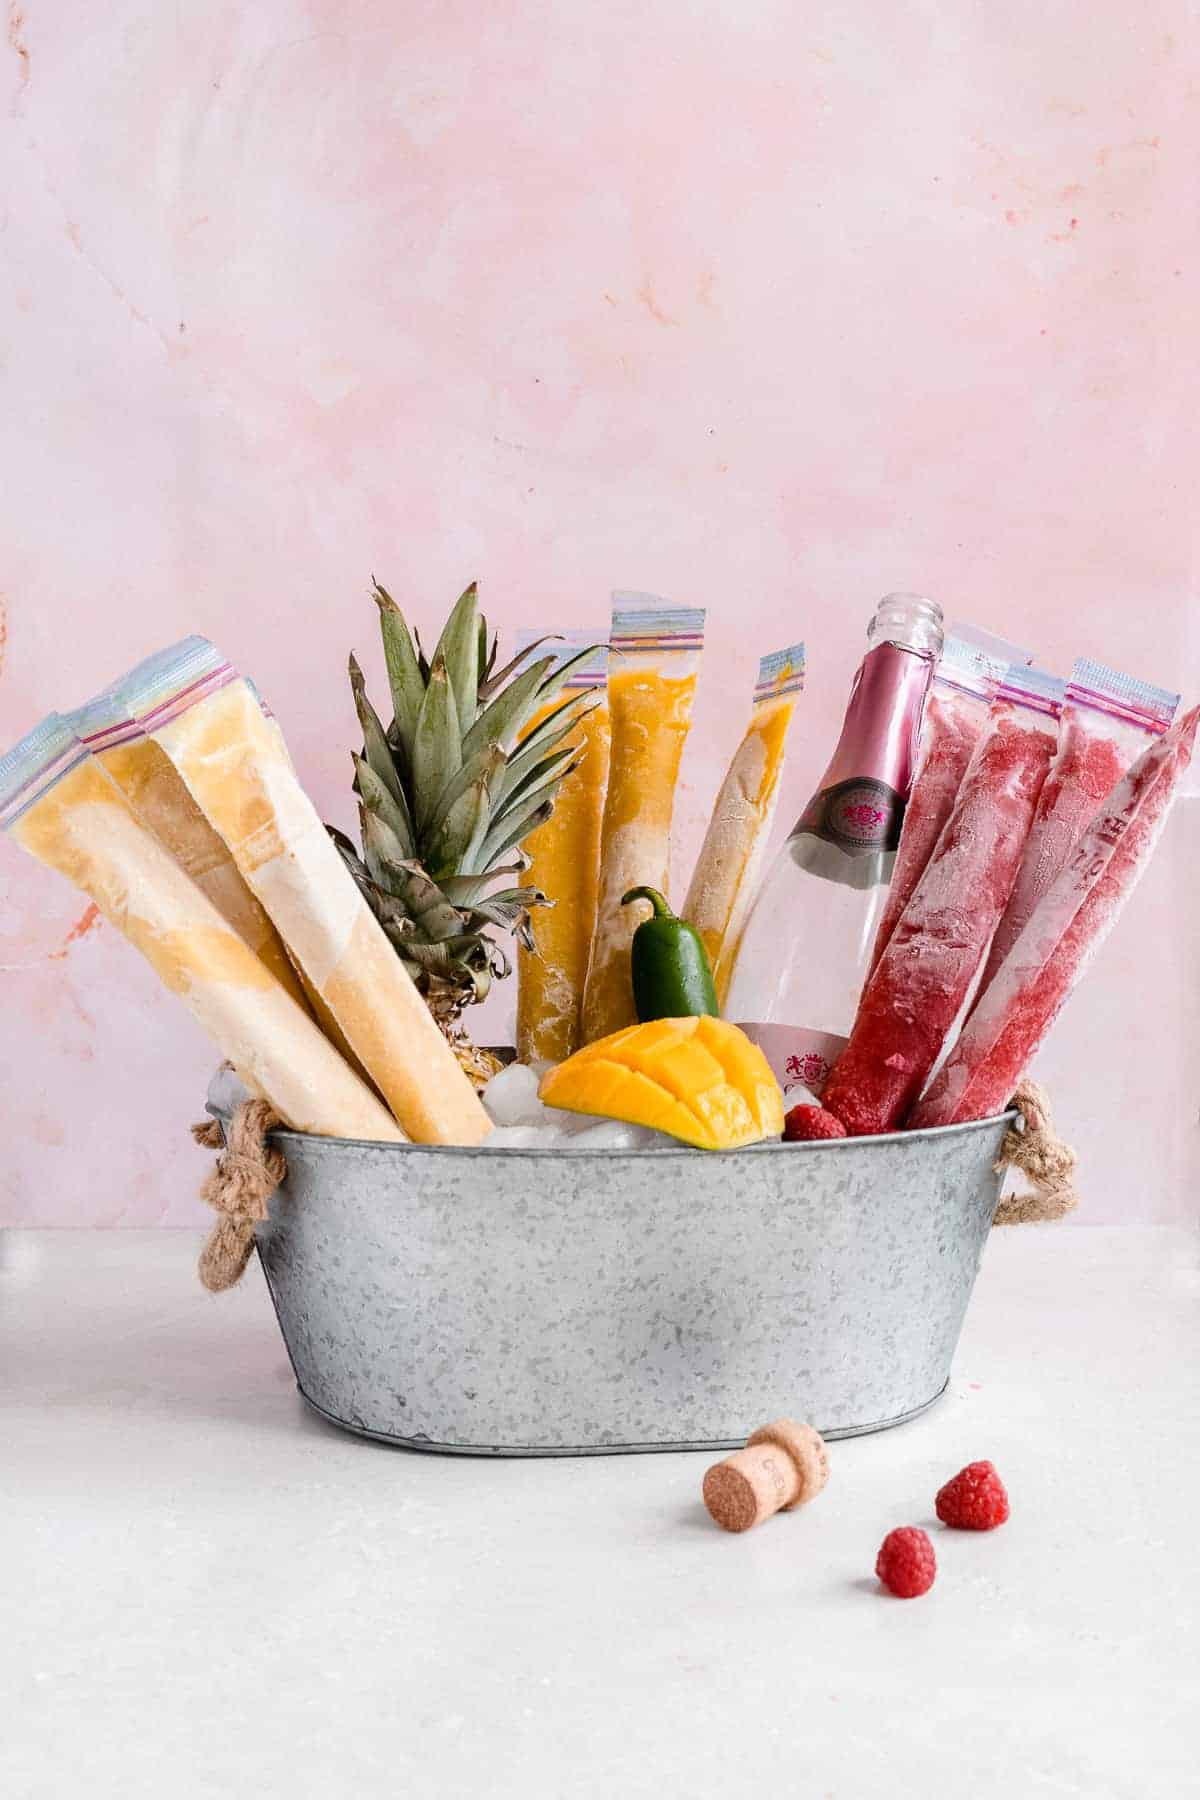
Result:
[{"x": 523, "y": 1123}]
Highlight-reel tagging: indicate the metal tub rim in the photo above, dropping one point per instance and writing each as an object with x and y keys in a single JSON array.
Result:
[{"x": 283, "y": 1135}]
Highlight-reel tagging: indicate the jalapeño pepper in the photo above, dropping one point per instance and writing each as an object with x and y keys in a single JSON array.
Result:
[{"x": 669, "y": 964}]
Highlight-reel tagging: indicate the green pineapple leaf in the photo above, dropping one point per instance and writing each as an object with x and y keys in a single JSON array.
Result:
[
  {"x": 437, "y": 744},
  {"x": 462, "y": 829},
  {"x": 458, "y": 648},
  {"x": 492, "y": 683},
  {"x": 403, "y": 670},
  {"x": 375, "y": 743},
  {"x": 387, "y": 804},
  {"x": 501, "y": 720}
]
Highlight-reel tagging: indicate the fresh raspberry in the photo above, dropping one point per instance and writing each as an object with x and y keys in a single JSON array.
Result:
[
  {"x": 975, "y": 1500},
  {"x": 906, "y": 1563},
  {"x": 806, "y": 1123}
]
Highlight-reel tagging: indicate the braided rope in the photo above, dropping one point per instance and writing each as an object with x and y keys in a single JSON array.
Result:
[
  {"x": 1034, "y": 1147},
  {"x": 238, "y": 1188}
]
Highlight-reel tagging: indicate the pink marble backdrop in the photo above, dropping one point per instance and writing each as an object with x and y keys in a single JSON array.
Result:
[{"x": 764, "y": 307}]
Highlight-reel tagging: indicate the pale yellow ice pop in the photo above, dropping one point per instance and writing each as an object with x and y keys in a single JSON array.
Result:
[
  {"x": 725, "y": 876},
  {"x": 82, "y": 825},
  {"x": 565, "y": 864},
  {"x": 651, "y": 687},
  {"x": 235, "y": 766},
  {"x": 151, "y": 784}
]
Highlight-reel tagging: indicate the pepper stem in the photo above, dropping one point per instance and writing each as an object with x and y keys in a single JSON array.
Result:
[{"x": 661, "y": 909}]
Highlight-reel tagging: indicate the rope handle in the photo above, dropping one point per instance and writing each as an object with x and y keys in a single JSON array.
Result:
[
  {"x": 238, "y": 1187},
  {"x": 1048, "y": 1163}
]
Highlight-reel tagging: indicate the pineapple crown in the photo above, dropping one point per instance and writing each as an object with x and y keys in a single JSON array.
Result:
[{"x": 452, "y": 788}]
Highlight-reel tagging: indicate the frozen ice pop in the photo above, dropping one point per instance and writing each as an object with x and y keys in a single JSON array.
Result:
[
  {"x": 955, "y": 717},
  {"x": 60, "y": 806},
  {"x": 564, "y": 863},
  {"x": 651, "y": 686},
  {"x": 912, "y": 1001},
  {"x": 233, "y": 761},
  {"x": 109, "y": 730},
  {"x": 1066, "y": 928},
  {"x": 1108, "y": 718},
  {"x": 726, "y": 874}
]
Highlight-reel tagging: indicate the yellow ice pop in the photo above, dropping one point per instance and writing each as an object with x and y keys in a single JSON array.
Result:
[
  {"x": 565, "y": 864},
  {"x": 726, "y": 871},
  {"x": 651, "y": 686},
  {"x": 236, "y": 767},
  {"x": 80, "y": 823}
]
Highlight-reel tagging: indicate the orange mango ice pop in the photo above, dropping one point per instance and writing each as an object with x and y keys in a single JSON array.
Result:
[
  {"x": 651, "y": 687},
  {"x": 564, "y": 862},
  {"x": 85, "y": 828},
  {"x": 238, "y": 771}
]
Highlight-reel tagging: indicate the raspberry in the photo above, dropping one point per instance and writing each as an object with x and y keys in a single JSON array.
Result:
[
  {"x": 806, "y": 1123},
  {"x": 906, "y": 1563},
  {"x": 975, "y": 1500}
]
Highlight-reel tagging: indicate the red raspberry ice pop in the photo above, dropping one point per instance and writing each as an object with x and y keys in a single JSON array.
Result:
[
  {"x": 1088, "y": 766},
  {"x": 911, "y": 1002},
  {"x": 953, "y": 726},
  {"x": 1068, "y": 925}
]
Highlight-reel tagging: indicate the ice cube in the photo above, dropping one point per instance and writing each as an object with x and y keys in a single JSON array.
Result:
[
  {"x": 522, "y": 1137},
  {"x": 614, "y": 1134},
  {"x": 511, "y": 1097}
]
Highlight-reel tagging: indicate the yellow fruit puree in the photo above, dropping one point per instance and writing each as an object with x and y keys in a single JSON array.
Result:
[
  {"x": 565, "y": 864},
  {"x": 650, "y": 714}
]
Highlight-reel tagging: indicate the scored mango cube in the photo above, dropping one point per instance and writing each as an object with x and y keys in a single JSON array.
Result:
[{"x": 701, "y": 1080}]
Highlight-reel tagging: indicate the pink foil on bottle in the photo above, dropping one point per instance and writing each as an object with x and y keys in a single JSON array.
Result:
[
  {"x": 913, "y": 1000},
  {"x": 1067, "y": 927}
]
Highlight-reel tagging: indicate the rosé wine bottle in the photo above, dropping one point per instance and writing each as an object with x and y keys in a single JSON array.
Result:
[{"x": 808, "y": 938}]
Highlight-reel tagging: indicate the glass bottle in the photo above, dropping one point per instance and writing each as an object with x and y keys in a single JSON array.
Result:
[{"x": 808, "y": 938}]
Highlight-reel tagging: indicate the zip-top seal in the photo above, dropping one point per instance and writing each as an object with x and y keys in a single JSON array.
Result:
[
  {"x": 1104, "y": 690},
  {"x": 35, "y": 765},
  {"x": 1036, "y": 689},
  {"x": 644, "y": 624},
  {"x": 780, "y": 672},
  {"x": 969, "y": 668}
]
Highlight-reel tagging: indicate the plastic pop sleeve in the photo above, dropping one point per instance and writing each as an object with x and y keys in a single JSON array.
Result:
[
  {"x": 1067, "y": 927},
  {"x": 913, "y": 1000},
  {"x": 651, "y": 687},
  {"x": 60, "y": 806},
  {"x": 232, "y": 759},
  {"x": 564, "y": 863},
  {"x": 726, "y": 872}
]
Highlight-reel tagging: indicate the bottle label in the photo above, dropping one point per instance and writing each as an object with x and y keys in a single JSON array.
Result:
[
  {"x": 862, "y": 816},
  {"x": 798, "y": 1057}
]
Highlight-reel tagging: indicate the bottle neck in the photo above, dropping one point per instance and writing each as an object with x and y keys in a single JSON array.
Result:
[{"x": 859, "y": 805}]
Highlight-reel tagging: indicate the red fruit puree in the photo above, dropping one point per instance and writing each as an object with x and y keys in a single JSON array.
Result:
[
  {"x": 913, "y": 1000},
  {"x": 953, "y": 725},
  {"x": 1088, "y": 766}
]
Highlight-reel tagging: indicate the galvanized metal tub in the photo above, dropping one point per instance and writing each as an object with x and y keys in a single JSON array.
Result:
[{"x": 569, "y": 1302}]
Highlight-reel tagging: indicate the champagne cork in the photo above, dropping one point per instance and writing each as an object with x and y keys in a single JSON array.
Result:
[{"x": 784, "y": 1465}]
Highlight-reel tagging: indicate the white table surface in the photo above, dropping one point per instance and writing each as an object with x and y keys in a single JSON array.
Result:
[{"x": 205, "y": 1590}]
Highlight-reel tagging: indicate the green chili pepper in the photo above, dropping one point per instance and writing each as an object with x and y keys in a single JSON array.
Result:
[{"x": 669, "y": 964}]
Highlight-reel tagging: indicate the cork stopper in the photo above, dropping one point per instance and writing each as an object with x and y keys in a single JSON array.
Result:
[{"x": 784, "y": 1465}]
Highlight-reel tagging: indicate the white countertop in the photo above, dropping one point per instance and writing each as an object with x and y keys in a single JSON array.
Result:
[{"x": 205, "y": 1590}]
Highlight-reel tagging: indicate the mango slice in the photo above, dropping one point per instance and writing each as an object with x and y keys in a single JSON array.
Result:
[{"x": 701, "y": 1080}]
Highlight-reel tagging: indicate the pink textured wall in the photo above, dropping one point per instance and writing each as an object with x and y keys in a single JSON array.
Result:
[{"x": 764, "y": 307}]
